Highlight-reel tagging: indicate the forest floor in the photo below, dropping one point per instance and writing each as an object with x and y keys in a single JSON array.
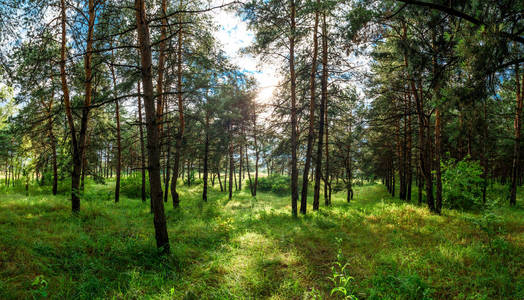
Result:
[{"x": 250, "y": 248}]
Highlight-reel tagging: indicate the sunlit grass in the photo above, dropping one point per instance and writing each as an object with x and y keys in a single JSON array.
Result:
[{"x": 252, "y": 248}]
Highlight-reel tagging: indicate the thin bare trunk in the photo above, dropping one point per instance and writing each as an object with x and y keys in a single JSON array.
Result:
[
  {"x": 321, "y": 117},
  {"x": 310, "y": 136},
  {"x": 206, "y": 155},
  {"x": 153, "y": 143},
  {"x": 516, "y": 146},
  {"x": 118, "y": 137},
  {"x": 142, "y": 148},
  {"x": 180, "y": 135},
  {"x": 294, "y": 170}
]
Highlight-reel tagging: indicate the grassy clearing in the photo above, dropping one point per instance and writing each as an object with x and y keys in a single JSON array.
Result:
[{"x": 250, "y": 248}]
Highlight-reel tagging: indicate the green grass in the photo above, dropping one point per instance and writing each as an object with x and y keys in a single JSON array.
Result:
[{"x": 250, "y": 248}]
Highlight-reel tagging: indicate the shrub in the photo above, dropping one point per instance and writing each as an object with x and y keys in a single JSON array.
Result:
[
  {"x": 264, "y": 184},
  {"x": 461, "y": 183},
  {"x": 275, "y": 183},
  {"x": 131, "y": 186},
  {"x": 339, "y": 186}
]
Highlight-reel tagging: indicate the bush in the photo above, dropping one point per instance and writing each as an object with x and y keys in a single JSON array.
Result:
[
  {"x": 131, "y": 186},
  {"x": 275, "y": 183},
  {"x": 461, "y": 183},
  {"x": 339, "y": 186}
]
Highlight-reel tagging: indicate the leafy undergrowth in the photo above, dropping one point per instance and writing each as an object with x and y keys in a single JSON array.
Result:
[{"x": 251, "y": 248}]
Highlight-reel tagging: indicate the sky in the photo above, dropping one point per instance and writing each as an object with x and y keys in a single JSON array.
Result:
[{"x": 234, "y": 35}]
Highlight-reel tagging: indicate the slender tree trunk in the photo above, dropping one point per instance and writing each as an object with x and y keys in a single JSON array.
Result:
[
  {"x": 324, "y": 83},
  {"x": 257, "y": 153},
  {"x": 84, "y": 165},
  {"x": 180, "y": 135},
  {"x": 75, "y": 200},
  {"x": 240, "y": 165},
  {"x": 142, "y": 150},
  {"x": 294, "y": 170},
  {"x": 168, "y": 159},
  {"x": 349, "y": 168},
  {"x": 438, "y": 135},
  {"x": 219, "y": 180},
  {"x": 161, "y": 68},
  {"x": 310, "y": 136},
  {"x": 484, "y": 153},
  {"x": 318, "y": 167},
  {"x": 516, "y": 146},
  {"x": 118, "y": 137},
  {"x": 235, "y": 179},
  {"x": 52, "y": 141},
  {"x": 409, "y": 167},
  {"x": 153, "y": 143},
  {"x": 403, "y": 154},
  {"x": 230, "y": 164},
  {"x": 206, "y": 152},
  {"x": 189, "y": 172},
  {"x": 424, "y": 141},
  {"x": 249, "y": 174},
  {"x": 438, "y": 139}
]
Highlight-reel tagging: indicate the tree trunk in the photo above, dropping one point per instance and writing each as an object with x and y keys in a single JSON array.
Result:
[
  {"x": 424, "y": 141},
  {"x": 294, "y": 170},
  {"x": 230, "y": 165},
  {"x": 323, "y": 99},
  {"x": 324, "y": 83},
  {"x": 161, "y": 67},
  {"x": 206, "y": 151},
  {"x": 310, "y": 136},
  {"x": 409, "y": 168},
  {"x": 180, "y": 135},
  {"x": 438, "y": 139},
  {"x": 249, "y": 174},
  {"x": 75, "y": 200},
  {"x": 118, "y": 138},
  {"x": 52, "y": 141},
  {"x": 142, "y": 150},
  {"x": 257, "y": 153},
  {"x": 240, "y": 165},
  {"x": 153, "y": 143},
  {"x": 349, "y": 169},
  {"x": 168, "y": 159},
  {"x": 484, "y": 153},
  {"x": 438, "y": 134},
  {"x": 516, "y": 146}
]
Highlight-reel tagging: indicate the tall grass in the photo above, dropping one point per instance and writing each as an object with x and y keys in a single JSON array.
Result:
[{"x": 251, "y": 248}]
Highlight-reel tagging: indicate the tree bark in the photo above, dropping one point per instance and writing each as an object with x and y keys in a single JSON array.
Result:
[
  {"x": 241, "y": 160},
  {"x": 153, "y": 143},
  {"x": 249, "y": 173},
  {"x": 310, "y": 136},
  {"x": 52, "y": 140},
  {"x": 257, "y": 153},
  {"x": 409, "y": 168},
  {"x": 324, "y": 96},
  {"x": 206, "y": 155},
  {"x": 294, "y": 170},
  {"x": 180, "y": 135},
  {"x": 75, "y": 200},
  {"x": 118, "y": 137},
  {"x": 142, "y": 150},
  {"x": 323, "y": 99},
  {"x": 161, "y": 67},
  {"x": 168, "y": 159},
  {"x": 516, "y": 146},
  {"x": 230, "y": 164}
]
